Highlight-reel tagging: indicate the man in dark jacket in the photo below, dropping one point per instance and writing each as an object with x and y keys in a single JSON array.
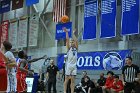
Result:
[
  {"x": 100, "y": 83},
  {"x": 52, "y": 73}
]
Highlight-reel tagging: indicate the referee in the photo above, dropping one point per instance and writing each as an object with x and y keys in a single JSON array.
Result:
[{"x": 130, "y": 72}]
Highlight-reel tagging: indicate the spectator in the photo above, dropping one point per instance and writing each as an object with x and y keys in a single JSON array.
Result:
[
  {"x": 117, "y": 86},
  {"x": 109, "y": 82},
  {"x": 88, "y": 86},
  {"x": 84, "y": 75},
  {"x": 130, "y": 72},
  {"x": 92, "y": 87},
  {"x": 80, "y": 87},
  {"x": 100, "y": 83}
]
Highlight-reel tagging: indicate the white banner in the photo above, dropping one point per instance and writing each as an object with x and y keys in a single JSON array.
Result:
[
  {"x": 33, "y": 30},
  {"x": 22, "y": 33},
  {"x": 13, "y": 34}
]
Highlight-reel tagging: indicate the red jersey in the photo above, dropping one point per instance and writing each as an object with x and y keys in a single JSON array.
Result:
[
  {"x": 3, "y": 76},
  {"x": 19, "y": 72},
  {"x": 21, "y": 79},
  {"x": 2, "y": 64},
  {"x": 118, "y": 86},
  {"x": 109, "y": 82}
]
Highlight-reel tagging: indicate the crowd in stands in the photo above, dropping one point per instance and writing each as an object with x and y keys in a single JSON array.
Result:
[{"x": 109, "y": 84}]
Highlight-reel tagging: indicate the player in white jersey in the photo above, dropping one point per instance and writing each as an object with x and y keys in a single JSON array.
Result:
[
  {"x": 11, "y": 67},
  {"x": 70, "y": 65}
]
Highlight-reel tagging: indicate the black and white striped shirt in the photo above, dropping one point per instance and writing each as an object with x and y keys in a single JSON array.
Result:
[{"x": 130, "y": 73}]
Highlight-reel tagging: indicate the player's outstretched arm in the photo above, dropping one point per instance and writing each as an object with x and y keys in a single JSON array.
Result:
[
  {"x": 67, "y": 37},
  {"x": 36, "y": 59},
  {"x": 75, "y": 39}
]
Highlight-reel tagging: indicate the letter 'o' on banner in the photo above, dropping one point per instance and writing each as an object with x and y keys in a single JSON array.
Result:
[
  {"x": 90, "y": 19},
  {"x": 108, "y": 18},
  {"x": 130, "y": 17}
]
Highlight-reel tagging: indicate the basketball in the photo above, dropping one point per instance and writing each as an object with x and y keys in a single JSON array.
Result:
[{"x": 64, "y": 19}]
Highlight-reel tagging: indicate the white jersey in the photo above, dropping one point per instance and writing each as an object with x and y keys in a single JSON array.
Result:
[
  {"x": 72, "y": 56},
  {"x": 11, "y": 74},
  {"x": 70, "y": 64}
]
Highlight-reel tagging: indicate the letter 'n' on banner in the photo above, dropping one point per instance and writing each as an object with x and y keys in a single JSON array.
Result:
[
  {"x": 130, "y": 17},
  {"x": 90, "y": 19},
  {"x": 108, "y": 18}
]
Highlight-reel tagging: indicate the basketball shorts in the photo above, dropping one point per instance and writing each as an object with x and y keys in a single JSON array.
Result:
[{"x": 71, "y": 69}]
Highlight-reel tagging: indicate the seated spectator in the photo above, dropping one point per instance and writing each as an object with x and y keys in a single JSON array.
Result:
[
  {"x": 109, "y": 81},
  {"x": 117, "y": 86},
  {"x": 79, "y": 87},
  {"x": 84, "y": 75},
  {"x": 88, "y": 86},
  {"x": 100, "y": 83},
  {"x": 92, "y": 87}
]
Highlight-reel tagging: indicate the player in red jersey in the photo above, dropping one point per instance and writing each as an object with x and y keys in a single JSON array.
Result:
[
  {"x": 3, "y": 73},
  {"x": 22, "y": 71}
]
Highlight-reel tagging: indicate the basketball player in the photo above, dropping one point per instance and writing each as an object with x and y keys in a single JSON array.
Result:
[
  {"x": 70, "y": 65},
  {"x": 3, "y": 73},
  {"x": 11, "y": 67},
  {"x": 22, "y": 71}
]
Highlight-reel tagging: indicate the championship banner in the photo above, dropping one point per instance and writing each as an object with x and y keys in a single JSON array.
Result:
[
  {"x": 16, "y": 4},
  {"x": 22, "y": 33},
  {"x": 5, "y": 6},
  {"x": 90, "y": 20},
  {"x": 33, "y": 30},
  {"x": 4, "y": 31},
  {"x": 130, "y": 17},
  {"x": 31, "y": 2},
  {"x": 13, "y": 34},
  {"x": 105, "y": 60},
  {"x": 108, "y": 18},
  {"x": 59, "y": 30}
]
